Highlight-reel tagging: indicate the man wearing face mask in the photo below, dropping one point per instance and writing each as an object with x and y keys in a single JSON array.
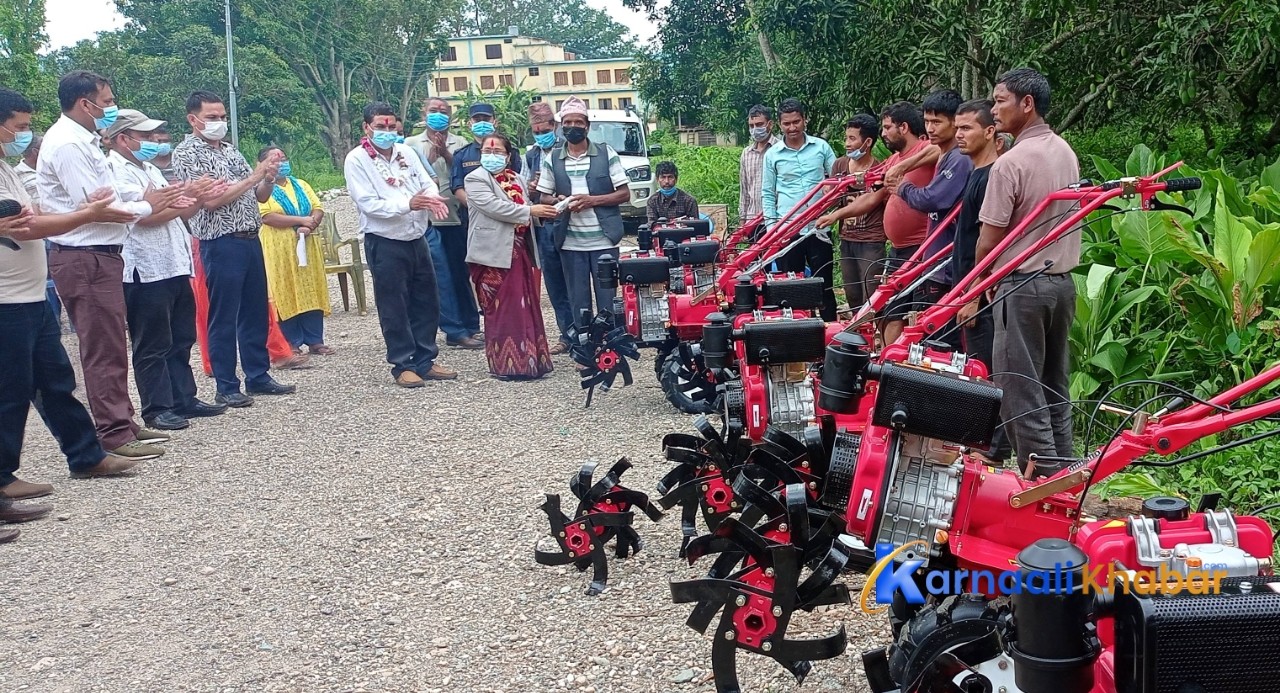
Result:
[
  {"x": 861, "y": 237},
  {"x": 161, "y": 307},
  {"x": 227, "y": 226},
  {"x": 542, "y": 122},
  {"x": 26, "y": 169},
  {"x": 751, "y": 165},
  {"x": 436, "y": 147},
  {"x": 671, "y": 203},
  {"x": 86, "y": 263}
]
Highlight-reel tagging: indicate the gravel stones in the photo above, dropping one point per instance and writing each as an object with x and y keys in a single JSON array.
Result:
[{"x": 367, "y": 537}]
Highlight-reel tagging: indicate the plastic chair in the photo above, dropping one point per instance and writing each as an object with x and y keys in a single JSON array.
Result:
[{"x": 348, "y": 271}]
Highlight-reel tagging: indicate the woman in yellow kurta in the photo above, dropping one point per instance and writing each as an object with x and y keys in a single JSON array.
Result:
[{"x": 296, "y": 280}]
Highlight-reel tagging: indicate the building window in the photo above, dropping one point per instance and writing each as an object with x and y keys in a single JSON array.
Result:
[
  {"x": 533, "y": 72},
  {"x": 624, "y": 103},
  {"x": 586, "y": 103},
  {"x": 450, "y": 55},
  {"x": 606, "y": 104},
  {"x": 603, "y": 76},
  {"x": 562, "y": 80},
  {"x": 493, "y": 51},
  {"x": 506, "y": 80},
  {"x": 537, "y": 99},
  {"x": 559, "y": 104},
  {"x": 459, "y": 83},
  {"x": 486, "y": 82},
  {"x": 622, "y": 76},
  {"x": 579, "y": 77},
  {"x": 442, "y": 84}
]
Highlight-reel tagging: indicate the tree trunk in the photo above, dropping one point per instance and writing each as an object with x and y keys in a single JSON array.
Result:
[{"x": 766, "y": 50}]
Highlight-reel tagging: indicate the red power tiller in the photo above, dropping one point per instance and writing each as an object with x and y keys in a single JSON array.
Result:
[{"x": 898, "y": 473}]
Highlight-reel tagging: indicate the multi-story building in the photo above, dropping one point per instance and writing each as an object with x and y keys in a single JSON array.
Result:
[{"x": 486, "y": 63}]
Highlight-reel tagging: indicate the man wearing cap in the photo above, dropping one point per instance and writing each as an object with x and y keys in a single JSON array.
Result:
[
  {"x": 160, "y": 306},
  {"x": 86, "y": 262},
  {"x": 591, "y": 176},
  {"x": 542, "y": 122},
  {"x": 465, "y": 161},
  {"x": 436, "y": 147}
]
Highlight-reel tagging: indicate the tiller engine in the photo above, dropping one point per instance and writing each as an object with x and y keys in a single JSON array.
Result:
[{"x": 605, "y": 512}]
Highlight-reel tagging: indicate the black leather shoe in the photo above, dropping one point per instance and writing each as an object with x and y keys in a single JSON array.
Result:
[
  {"x": 203, "y": 409},
  {"x": 271, "y": 387},
  {"x": 167, "y": 421},
  {"x": 235, "y": 400}
]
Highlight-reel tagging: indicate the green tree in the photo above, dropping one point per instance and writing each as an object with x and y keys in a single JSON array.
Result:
[
  {"x": 585, "y": 30},
  {"x": 21, "y": 38}
]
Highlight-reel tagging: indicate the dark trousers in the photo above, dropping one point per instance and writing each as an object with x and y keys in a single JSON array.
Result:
[
  {"x": 36, "y": 368},
  {"x": 304, "y": 329},
  {"x": 925, "y": 297},
  {"x": 91, "y": 285},
  {"x": 860, "y": 265},
  {"x": 899, "y": 305},
  {"x": 162, "y": 328},
  {"x": 580, "y": 280},
  {"x": 978, "y": 344},
  {"x": 818, "y": 255},
  {"x": 237, "y": 282},
  {"x": 404, "y": 289},
  {"x": 553, "y": 278},
  {"x": 459, "y": 317},
  {"x": 1032, "y": 328}
]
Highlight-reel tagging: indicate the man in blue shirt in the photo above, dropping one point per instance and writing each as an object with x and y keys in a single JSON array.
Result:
[{"x": 792, "y": 168}]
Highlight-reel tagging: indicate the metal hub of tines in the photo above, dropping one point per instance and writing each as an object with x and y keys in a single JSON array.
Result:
[
  {"x": 755, "y": 585},
  {"x": 601, "y": 348},
  {"x": 605, "y": 512}
]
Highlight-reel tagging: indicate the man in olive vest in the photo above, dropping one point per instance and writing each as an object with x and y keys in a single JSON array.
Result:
[{"x": 591, "y": 177}]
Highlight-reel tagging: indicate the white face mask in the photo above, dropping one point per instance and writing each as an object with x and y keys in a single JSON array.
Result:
[{"x": 216, "y": 130}]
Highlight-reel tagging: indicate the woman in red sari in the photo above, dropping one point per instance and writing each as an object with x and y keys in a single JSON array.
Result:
[{"x": 502, "y": 257}]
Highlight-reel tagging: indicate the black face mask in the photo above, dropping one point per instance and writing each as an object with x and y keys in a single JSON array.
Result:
[{"x": 575, "y": 135}]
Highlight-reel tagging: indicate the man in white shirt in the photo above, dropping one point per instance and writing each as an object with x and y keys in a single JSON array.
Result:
[
  {"x": 393, "y": 193},
  {"x": 36, "y": 366},
  {"x": 593, "y": 176},
  {"x": 160, "y": 305},
  {"x": 86, "y": 263}
]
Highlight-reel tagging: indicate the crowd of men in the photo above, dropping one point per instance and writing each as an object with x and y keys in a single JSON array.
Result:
[
  {"x": 106, "y": 208},
  {"x": 944, "y": 152}
]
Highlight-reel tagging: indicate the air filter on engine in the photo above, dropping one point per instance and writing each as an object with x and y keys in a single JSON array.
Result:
[
  {"x": 935, "y": 405},
  {"x": 677, "y": 235},
  {"x": 699, "y": 252},
  {"x": 784, "y": 341},
  {"x": 644, "y": 270},
  {"x": 800, "y": 294}
]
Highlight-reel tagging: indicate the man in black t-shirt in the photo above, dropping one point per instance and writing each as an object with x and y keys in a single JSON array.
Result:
[{"x": 975, "y": 138}]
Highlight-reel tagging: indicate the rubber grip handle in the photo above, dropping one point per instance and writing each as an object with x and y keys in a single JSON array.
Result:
[{"x": 1180, "y": 184}]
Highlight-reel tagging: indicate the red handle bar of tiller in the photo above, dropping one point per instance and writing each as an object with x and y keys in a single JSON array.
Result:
[
  {"x": 908, "y": 273},
  {"x": 740, "y": 234},
  {"x": 798, "y": 217},
  {"x": 1092, "y": 198}
]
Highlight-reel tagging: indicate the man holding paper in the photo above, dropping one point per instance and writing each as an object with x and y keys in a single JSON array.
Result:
[{"x": 394, "y": 195}]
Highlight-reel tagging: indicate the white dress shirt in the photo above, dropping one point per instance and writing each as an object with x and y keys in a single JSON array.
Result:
[
  {"x": 155, "y": 253},
  {"x": 71, "y": 167},
  {"x": 384, "y": 206}
]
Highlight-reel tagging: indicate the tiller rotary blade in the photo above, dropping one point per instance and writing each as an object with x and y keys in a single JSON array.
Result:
[
  {"x": 700, "y": 478},
  {"x": 755, "y": 583},
  {"x": 601, "y": 349},
  {"x": 605, "y": 511}
]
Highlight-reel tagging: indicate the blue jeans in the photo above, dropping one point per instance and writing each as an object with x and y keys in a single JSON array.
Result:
[
  {"x": 304, "y": 329},
  {"x": 459, "y": 317},
  {"x": 237, "y": 282},
  {"x": 553, "y": 277},
  {"x": 36, "y": 369}
]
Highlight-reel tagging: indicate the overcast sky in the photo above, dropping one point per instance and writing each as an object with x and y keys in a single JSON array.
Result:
[{"x": 70, "y": 21}]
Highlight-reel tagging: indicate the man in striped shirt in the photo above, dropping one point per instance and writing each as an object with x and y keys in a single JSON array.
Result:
[{"x": 591, "y": 177}]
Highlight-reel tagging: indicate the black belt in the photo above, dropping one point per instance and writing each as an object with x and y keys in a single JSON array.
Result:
[
  {"x": 244, "y": 234},
  {"x": 113, "y": 249}
]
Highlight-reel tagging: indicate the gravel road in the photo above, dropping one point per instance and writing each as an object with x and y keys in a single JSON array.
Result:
[{"x": 360, "y": 537}]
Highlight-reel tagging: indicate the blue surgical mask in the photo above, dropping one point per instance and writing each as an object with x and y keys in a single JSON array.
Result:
[
  {"x": 482, "y": 128},
  {"x": 399, "y": 139},
  {"x": 147, "y": 151},
  {"x": 668, "y": 191},
  {"x": 21, "y": 140},
  {"x": 493, "y": 163},
  {"x": 438, "y": 121},
  {"x": 108, "y": 117},
  {"x": 165, "y": 149},
  {"x": 286, "y": 169},
  {"x": 546, "y": 140},
  {"x": 858, "y": 154},
  {"x": 384, "y": 140}
]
